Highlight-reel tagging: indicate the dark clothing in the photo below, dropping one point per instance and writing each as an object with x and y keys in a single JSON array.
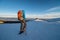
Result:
[{"x": 23, "y": 25}]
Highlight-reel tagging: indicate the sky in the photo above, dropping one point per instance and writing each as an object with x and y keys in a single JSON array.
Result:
[{"x": 32, "y": 8}]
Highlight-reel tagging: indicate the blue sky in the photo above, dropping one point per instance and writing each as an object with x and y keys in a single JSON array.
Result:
[{"x": 31, "y": 7}]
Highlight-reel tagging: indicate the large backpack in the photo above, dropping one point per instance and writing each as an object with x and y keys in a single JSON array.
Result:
[{"x": 23, "y": 14}]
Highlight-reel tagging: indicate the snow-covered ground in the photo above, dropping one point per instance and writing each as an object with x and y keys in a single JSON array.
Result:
[{"x": 36, "y": 30}]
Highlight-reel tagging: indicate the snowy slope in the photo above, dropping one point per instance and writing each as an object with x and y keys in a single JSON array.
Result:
[{"x": 35, "y": 31}]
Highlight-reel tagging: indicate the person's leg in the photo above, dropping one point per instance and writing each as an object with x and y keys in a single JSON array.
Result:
[{"x": 23, "y": 26}]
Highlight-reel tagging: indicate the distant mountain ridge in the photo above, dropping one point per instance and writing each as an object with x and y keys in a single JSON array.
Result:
[
  {"x": 51, "y": 20},
  {"x": 2, "y": 18},
  {"x": 31, "y": 19}
]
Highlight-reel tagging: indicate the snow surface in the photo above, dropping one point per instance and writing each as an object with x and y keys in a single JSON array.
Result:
[{"x": 36, "y": 30}]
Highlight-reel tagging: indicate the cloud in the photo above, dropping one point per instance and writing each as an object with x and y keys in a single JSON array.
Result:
[
  {"x": 8, "y": 15},
  {"x": 52, "y": 9},
  {"x": 46, "y": 15},
  {"x": 50, "y": 13}
]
